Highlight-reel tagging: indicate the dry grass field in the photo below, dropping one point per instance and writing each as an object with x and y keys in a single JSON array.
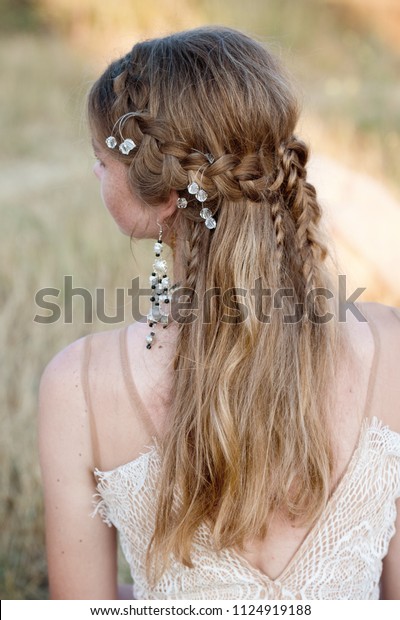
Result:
[{"x": 52, "y": 222}]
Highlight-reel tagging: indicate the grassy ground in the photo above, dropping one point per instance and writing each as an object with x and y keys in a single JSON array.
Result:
[{"x": 53, "y": 224}]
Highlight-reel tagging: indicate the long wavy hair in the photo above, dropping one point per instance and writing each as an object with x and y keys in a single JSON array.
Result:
[{"x": 249, "y": 433}]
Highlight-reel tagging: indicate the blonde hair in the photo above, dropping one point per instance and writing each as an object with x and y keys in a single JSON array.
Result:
[{"x": 248, "y": 433}]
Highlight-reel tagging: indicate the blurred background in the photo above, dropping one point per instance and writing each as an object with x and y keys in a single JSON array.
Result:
[{"x": 344, "y": 56}]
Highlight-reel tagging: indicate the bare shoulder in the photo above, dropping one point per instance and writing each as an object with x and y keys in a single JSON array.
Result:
[
  {"x": 60, "y": 379},
  {"x": 386, "y": 322},
  {"x": 384, "y": 316},
  {"x": 69, "y": 359},
  {"x": 68, "y": 362},
  {"x": 63, "y": 411},
  {"x": 109, "y": 385},
  {"x": 81, "y": 552}
]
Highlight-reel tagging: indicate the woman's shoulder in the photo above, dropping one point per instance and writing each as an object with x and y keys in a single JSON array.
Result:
[
  {"x": 100, "y": 344},
  {"x": 67, "y": 362},
  {"x": 62, "y": 409},
  {"x": 80, "y": 391},
  {"x": 386, "y": 317},
  {"x": 371, "y": 321},
  {"x": 110, "y": 380},
  {"x": 94, "y": 354},
  {"x": 91, "y": 363},
  {"x": 384, "y": 323}
]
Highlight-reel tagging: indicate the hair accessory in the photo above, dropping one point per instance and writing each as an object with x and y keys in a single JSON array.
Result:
[
  {"x": 209, "y": 220},
  {"x": 159, "y": 283},
  {"x": 210, "y": 158},
  {"x": 193, "y": 188},
  {"x": 111, "y": 142},
  {"x": 127, "y": 144},
  {"x": 181, "y": 203},
  {"x": 201, "y": 195}
]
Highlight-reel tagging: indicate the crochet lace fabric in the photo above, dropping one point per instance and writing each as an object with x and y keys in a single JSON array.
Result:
[{"x": 341, "y": 557}]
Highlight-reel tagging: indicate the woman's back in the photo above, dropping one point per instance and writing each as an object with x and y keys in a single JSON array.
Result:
[{"x": 129, "y": 392}]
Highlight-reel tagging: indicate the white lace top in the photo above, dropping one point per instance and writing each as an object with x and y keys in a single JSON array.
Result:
[{"x": 341, "y": 557}]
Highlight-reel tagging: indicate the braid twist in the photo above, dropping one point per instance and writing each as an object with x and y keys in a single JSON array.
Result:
[
  {"x": 235, "y": 178},
  {"x": 193, "y": 254},
  {"x": 278, "y": 215},
  {"x": 229, "y": 176},
  {"x": 301, "y": 200}
]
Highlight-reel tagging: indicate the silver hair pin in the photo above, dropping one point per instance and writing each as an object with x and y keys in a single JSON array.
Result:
[
  {"x": 127, "y": 144},
  {"x": 201, "y": 195},
  {"x": 210, "y": 158}
]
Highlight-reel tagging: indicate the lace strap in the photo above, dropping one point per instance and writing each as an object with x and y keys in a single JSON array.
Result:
[
  {"x": 135, "y": 399},
  {"x": 86, "y": 390}
]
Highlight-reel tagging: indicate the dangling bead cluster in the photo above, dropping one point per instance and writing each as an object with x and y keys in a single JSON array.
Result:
[{"x": 159, "y": 283}]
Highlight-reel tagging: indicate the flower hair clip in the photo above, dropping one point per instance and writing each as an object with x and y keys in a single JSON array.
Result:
[{"x": 127, "y": 144}]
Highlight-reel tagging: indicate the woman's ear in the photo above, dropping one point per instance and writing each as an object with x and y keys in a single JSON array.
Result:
[
  {"x": 169, "y": 207},
  {"x": 168, "y": 215}
]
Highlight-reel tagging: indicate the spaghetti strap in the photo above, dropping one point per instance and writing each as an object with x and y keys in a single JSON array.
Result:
[
  {"x": 136, "y": 401},
  {"x": 86, "y": 390},
  {"x": 396, "y": 312},
  {"x": 374, "y": 367}
]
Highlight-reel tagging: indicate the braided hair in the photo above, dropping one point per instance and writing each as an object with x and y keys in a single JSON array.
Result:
[{"x": 248, "y": 433}]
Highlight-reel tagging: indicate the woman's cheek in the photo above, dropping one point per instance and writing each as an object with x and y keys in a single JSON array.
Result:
[{"x": 119, "y": 211}]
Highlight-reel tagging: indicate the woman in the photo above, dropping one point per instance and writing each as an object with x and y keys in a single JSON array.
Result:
[{"x": 250, "y": 449}]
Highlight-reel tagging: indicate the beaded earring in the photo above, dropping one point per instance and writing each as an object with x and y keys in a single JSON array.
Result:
[{"x": 159, "y": 283}]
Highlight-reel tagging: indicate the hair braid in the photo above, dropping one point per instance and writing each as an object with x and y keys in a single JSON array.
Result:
[
  {"x": 277, "y": 215},
  {"x": 312, "y": 250},
  {"x": 301, "y": 200}
]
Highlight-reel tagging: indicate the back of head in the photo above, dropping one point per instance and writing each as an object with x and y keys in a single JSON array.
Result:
[
  {"x": 209, "y": 90},
  {"x": 248, "y": 434},
  {"x": 216, "y": 91}
]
